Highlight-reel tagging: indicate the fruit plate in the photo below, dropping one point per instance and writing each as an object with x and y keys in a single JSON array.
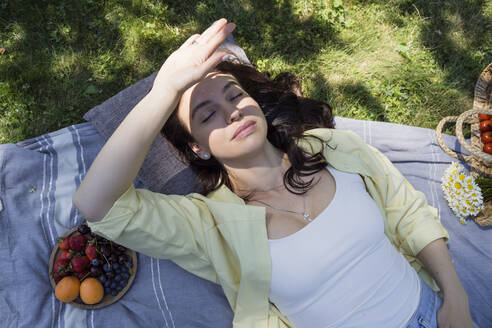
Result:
[{"x": 108, "y": 298}]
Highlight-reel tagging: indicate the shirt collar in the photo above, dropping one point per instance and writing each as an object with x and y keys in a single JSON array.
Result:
[{"x": 339, "y": 152}]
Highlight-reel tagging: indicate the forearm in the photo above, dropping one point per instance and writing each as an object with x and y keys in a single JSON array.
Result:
[
  {"x": 118, "y": 162},
  {"x": 436, "y": 259}
]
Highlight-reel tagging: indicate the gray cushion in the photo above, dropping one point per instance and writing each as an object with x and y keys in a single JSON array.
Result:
[{"x": 162, "y": 171}]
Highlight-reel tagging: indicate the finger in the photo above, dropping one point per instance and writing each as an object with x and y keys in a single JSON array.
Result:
[
  {"x": 190, "y": 40},
  {"x": 212, "y": 30},
  {"x": 217, "y": 39},
  {"x": 212, "y": 61}
]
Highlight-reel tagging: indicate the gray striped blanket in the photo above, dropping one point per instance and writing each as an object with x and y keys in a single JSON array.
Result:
[{"x": 39, "y": 176}]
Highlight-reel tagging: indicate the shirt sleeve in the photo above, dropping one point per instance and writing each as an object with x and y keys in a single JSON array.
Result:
[
  {"x": 410, "y": 218},
  {"x": 162, "y": 226}
]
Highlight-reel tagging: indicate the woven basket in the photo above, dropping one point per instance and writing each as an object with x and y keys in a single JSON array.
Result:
[{"x": 480, "y": 162}]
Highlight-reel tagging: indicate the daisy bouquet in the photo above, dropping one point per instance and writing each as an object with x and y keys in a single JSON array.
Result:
[{"x": 462, "y": 193}]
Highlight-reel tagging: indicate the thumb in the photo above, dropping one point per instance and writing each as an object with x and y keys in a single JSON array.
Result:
[{"x": 213, "y": 61}]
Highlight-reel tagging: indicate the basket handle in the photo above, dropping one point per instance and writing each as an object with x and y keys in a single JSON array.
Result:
[
  {"x": 487, "y": 158},
  {"x": 443, "y": 145}
]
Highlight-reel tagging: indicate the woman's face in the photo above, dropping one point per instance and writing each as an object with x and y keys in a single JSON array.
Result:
[{"x": 213, "y": 110}]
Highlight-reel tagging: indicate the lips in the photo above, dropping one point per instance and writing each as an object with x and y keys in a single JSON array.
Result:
[{"x": 242, "y": 127}]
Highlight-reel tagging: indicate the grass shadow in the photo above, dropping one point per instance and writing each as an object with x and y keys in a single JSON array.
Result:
[
  {"x": 264, "y": 29},
  {"x": 348, "y": 99},
  {"x": 45, "y": 68},
  {"x": 458, "y": 34},
  {"x": 63, "y": 58}
]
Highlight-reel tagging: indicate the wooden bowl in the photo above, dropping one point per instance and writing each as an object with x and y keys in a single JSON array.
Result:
[{"x": 108, "y": 298}]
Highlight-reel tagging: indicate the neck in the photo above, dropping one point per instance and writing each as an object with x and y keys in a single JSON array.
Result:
[{"x": 258, "y": 171}]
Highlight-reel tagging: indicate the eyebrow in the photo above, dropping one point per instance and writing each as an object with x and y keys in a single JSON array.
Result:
[{"x": 206, "y": 102}]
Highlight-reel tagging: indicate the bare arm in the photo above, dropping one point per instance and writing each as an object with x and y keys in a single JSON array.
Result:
[
  {"x": 455, "y": 309},
  {"x": 435, "y": 257},
  {"x": 117, "y": 164}
]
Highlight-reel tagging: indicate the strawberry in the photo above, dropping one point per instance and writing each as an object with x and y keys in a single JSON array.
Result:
[
  {"x": 63, "y": 243},
  {"x": 77, "y": 243},
  {"x": 91, "y": 251},
  {"x": 57, "y": 276},
  {"x": 79, "y": 263},
  {"x": 65, "y": 255},
  {"x": 61, "y": 266}
]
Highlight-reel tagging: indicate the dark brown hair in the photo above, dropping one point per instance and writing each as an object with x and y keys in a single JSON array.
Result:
[{"x": 288, "y": 115}]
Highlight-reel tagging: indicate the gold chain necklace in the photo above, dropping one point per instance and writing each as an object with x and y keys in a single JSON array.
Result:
[{"x": 305, "y": 215}]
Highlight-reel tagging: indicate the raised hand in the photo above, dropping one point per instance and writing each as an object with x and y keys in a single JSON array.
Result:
[{"x": 193, "y": 59}]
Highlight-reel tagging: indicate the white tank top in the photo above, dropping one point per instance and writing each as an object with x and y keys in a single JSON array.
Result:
[{"x": 341, "y": 270}]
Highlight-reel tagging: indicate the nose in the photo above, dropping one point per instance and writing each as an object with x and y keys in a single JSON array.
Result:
[{"x": 235, "y": 115}]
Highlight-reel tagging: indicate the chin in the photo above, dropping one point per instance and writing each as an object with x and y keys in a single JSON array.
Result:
[{"x": 246, "y": 147}]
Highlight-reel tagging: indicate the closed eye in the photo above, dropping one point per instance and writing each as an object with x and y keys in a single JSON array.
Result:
[
  {"x": 238, "y": 95},
  {"x": 208, "y": 117}
]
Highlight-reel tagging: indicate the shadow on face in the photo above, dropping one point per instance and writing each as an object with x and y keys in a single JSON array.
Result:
[{"x": 214, "y": 110}]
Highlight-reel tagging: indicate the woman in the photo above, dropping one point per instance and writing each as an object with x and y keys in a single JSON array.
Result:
[{"x": 278, "y": 195}]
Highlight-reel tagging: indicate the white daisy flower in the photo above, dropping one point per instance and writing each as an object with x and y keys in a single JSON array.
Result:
[{"x": 461, "y": 192}]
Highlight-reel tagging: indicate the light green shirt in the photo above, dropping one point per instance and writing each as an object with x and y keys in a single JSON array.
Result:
[{"x": 219, "y": 238}]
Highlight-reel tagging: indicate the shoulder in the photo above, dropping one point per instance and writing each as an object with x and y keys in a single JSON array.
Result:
[
  {"x": 347, "y": 140},
  {"x": 327, "y": 134}
]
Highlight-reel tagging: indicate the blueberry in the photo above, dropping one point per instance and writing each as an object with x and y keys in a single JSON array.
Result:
[
  {"x": 114, "y": 292},
  {"x": 107, "y": 283},
  {"x": 123, "y": 282},
  {"x": 95, "y": 262},
  {"x": 118, "y": 270},
  {"x": 105, "y": 250},
  {"x": 95, "y": 271},
  {"x": 106, "y": 267},
  {"x": 110, "y": 274},
  {"x": 113, "y": 285},
  {"x": 125, "y": 275},
  {"x": 117, "y": 277},
  {"x": 107, "y": 290},
  {"x": 119, "y": 288},
  {"x": 102, "y": 278},
  {"x": 123, "y": 258},
  {"x": 116, "y": 266},
  {"x": 113, "y": 258},
  {"x": 124, "y": 269},
  {"x": 129, "y": 264}
]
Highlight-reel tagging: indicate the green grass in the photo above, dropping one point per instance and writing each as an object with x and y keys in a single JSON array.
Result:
[{"x": 401, "y": 61}]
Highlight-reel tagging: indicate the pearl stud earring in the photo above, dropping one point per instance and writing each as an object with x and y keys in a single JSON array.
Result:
[{"x": 206, "y": 156}]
